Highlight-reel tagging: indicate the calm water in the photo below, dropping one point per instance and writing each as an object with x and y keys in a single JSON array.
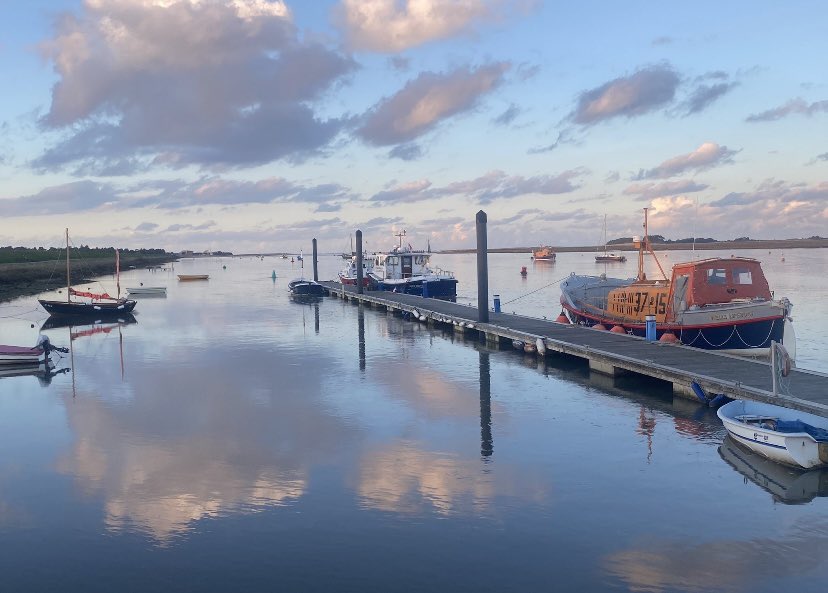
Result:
[{"x": 233, "y": 440}]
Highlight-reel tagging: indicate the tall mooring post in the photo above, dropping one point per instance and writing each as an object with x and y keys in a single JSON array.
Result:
[
  {"x": 315, "y": 262},
  {"x": 482, "y": 269},
  {"x": 359, "y": 261}
]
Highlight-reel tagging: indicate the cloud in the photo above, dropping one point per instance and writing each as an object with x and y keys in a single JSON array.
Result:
[
  {"x": 145, "y": 227},
  {"x": 663, "y": 40},
  {"x": 780, "y": 192},
  {"x": 426, "y": 101},
  {"x": 646, "y": 90},
  {"x": 224, "y": 83},
  {"x": 406, "y": 152},
  {"x": 83, "y": 196},
  {"x": 612, "y": 177},
  {"x": 649, "y": 191},
  {"x": 62, "y": 199},
  {"x": 494, "y": 185},
  {"x": 705, "y": 94},
  {"x": 508, "y": 116},
  {"x": 823, "y": 156},
  {"x": 706, "y": 156},
  {"x": 794, "y": 106},
  {"x": 412, "y": 191},
  {"x": 388, "y": 26}
]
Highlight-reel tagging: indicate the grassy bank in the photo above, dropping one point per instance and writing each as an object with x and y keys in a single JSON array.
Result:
[{"x": 23, "y": 279}]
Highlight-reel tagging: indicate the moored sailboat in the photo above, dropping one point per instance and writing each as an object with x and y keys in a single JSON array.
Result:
[
  {"x": 607, "y": 257},
  {"x": 98, "y": 304},
  {"x": 718, "y": 303}
]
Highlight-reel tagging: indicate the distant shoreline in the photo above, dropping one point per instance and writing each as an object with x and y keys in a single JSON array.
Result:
[
  {"x": 707, "y": 246},
  {"x": 28, "y": 278}
]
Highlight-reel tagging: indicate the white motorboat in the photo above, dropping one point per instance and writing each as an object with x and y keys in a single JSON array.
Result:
[{"x": 781, "y": 434}]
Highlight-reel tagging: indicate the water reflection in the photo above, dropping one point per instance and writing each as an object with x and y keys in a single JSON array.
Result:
[
  {"x": 361, "y": 336},
  {"x": 785, "y": 485},
  {"x": 728, "y": 564},
  {"x": 182, "y": 447},
  {"x": 44, "y": 372},
  {"x": 486, "y": 445}
]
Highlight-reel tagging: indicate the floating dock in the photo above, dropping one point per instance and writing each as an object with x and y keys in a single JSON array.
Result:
[{"x": 613, "y": 354}]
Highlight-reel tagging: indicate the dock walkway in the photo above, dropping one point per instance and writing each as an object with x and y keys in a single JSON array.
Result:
[{"x": 612, "y": 354}]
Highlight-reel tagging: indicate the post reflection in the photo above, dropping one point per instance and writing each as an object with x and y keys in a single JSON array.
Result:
[
  {"x": 361, "y": 336},
  {"x": 486, "y": 445},
  {"x": 316, "y": 318}
]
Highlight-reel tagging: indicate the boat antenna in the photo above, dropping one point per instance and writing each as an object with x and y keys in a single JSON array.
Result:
[{"x": 400, "y": 235}]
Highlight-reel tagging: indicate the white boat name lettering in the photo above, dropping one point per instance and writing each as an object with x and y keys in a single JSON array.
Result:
[{"x": 728, "y": 316}]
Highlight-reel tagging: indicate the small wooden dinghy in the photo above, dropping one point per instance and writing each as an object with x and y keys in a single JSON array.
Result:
[
  {"x": 781, "y": 434},
  {"x": 147, "y": 291},
  {"x": 189, "y": 277}
]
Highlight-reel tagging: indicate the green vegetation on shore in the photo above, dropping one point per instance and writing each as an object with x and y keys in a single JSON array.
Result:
[
  {"x": 21, "y": 277},
  {"x": 13, "y": 255}
]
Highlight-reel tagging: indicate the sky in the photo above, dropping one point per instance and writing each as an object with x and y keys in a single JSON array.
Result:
[{"x": 257, "y": 125}]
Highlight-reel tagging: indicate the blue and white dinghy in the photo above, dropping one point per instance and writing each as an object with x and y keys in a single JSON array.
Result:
[{"x": 781, "y": 434}]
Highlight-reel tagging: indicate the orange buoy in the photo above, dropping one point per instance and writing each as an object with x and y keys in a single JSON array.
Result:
[
  {"x": 600, "y": 326},
  {"x": 562, "y": 318},
  {"x": 668, "y": 338},
  {"x": 617, "y": 329}
]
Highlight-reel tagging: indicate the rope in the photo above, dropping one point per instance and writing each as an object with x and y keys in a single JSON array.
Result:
[{"x": 536, "y": 290}]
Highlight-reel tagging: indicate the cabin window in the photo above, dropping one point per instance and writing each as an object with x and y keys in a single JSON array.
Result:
[
  {"x": 716, "y": 276},
  {"x": 742, "y": 276}
]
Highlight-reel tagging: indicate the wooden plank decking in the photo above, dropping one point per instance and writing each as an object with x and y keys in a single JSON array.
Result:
[{"x": 611, "y": 353}]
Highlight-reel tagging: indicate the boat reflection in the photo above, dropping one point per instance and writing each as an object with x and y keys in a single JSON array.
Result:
[
  {"x": 98, "y": 325},
  {"x": 785, "y": 484},
  {"x": 43, "y": 371}
]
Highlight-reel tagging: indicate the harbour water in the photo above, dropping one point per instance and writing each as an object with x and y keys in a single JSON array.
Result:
[{"x": 232, "y": 439}]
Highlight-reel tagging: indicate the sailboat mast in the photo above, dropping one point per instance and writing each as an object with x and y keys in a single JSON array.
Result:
[
  {"x": 67, "y": 266},
  {"x": 118, "y": 272}
]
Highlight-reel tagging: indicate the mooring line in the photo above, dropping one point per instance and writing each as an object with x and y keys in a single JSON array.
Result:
[{"x": 536, "y": 290}]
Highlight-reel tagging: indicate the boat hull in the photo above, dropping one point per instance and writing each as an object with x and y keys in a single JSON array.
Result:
[
  {"x": 191, "y": 277},
  {"x": 349, "y": 281},
  {"x": 440, "y": 288},
  {"x": 147, "y": 291},
  {"x": 18, "y": 355},
  {"x": 796, "y": 449},
  {"x": 88, "y": 309},
  {"x": 745, "y": 328},
  {"x": 306, "y": 288}
]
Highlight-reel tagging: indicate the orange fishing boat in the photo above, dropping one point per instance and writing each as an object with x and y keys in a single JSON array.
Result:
[{"x": 715, "y": 304}]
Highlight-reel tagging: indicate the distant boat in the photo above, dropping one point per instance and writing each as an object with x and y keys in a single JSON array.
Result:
[
  {"x": 348, "y": 275},
  {"x": 402, "y": 269},
  {"x": 189, "y": 277},
  {"x": 781, "y": 434},
  {"x": 100, "y": 304},
  {"x": 545, "y": 253},
  {"x": 607, "y": 257},
  {"x": 147, "y": 291}
]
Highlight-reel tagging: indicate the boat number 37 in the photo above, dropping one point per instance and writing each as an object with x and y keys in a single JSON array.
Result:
[{"x": 637, "y": 302}]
